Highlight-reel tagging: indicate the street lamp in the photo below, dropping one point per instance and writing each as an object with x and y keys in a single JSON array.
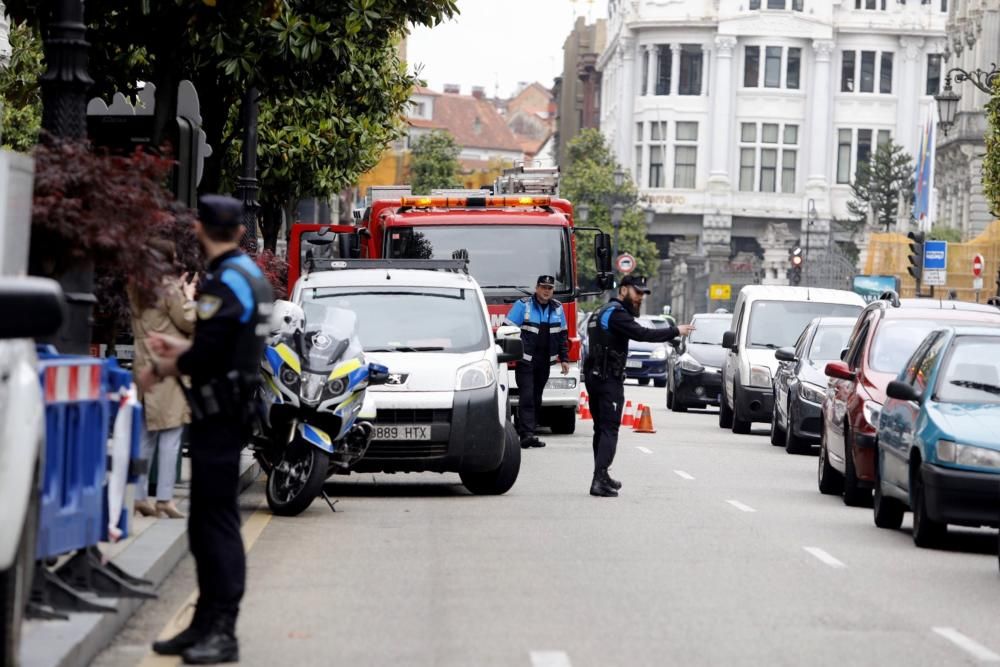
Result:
[
  {"x": 619, "y": 178},
  {"x": 947, "y": 100},
  {"x": 617, "y": 211}
]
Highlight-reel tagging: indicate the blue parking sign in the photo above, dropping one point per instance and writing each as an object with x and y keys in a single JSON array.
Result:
[{"x": 935, "y": 255}]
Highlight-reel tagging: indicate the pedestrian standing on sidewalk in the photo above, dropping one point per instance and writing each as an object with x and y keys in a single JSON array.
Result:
[
  {"x": 164, "y": 406},
  {"x": 546, "y": 340},
  {"x": 609, "y": 331},
  {"x": 233, "y": 310}
]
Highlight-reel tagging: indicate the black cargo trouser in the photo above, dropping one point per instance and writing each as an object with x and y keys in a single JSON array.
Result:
[
  {"x": 531, "y": 379},
  {"x": 606, "y": 401},
  {"x": 214, "y": 517}
]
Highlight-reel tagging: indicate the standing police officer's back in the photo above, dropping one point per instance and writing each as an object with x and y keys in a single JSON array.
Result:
[
  {"x": 222, "y": 361},
  {"x": 546, "y": 340},
  {"x": 609, "y": 331}
]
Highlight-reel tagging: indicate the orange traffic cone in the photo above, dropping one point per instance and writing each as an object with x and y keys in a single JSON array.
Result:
[
  {"x": 585, "y": 409},
  {"x": 628, "y": 417},
  {"x": 646, "y": 421},
  {"x": 579, "y": 403},
  {"x": 638, "y": 417}
]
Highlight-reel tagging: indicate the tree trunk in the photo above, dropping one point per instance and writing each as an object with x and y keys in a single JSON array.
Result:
[
  {"x": 270, "y": 224},
  {"x": 165, "y": 110}
]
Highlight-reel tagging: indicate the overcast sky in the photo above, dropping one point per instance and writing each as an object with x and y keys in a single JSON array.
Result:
[{"x": 497, "y": 43}]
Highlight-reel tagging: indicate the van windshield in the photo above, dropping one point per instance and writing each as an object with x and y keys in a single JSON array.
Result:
[
  {"x": 407, "y": 319},
  {"x": 775, "y": 324}
]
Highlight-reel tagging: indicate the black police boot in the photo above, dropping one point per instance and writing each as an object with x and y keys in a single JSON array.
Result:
[
  {"x": 612, "y": 482},
  {"x": 601, "y": 486},
  {"x": 535, "y": 442},
  {"x": 526, "y": 441},
  {"x": 187, "y": 638},
  {"x": 218, "y": 646}
]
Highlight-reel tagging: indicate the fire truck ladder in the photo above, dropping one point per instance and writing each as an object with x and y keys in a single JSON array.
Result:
[{"x": 528, "y": 180}]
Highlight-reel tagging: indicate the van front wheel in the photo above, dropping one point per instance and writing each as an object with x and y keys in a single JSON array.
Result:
[{"x": 499, "y": 481}]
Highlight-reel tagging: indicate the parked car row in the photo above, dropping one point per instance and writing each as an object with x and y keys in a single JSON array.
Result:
[{"x": 901, "y": 397}]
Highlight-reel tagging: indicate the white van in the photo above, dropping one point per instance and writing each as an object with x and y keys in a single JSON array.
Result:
[
  {"x": 767, "y": 317},
  {"x": 445, "y": 407}
]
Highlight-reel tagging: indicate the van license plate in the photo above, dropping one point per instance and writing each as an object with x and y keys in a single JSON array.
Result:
[
  {"x": 631, "y": 363},
  {"x": 402, "y": 432}
]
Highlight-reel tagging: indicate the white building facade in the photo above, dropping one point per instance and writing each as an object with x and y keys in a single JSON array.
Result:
[
  {"x": 735, "y": 114},
  {"x": 972, "y": 42}
]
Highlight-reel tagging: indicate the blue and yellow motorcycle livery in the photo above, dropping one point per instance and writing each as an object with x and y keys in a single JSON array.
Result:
[{"x": 315, "y": 418}]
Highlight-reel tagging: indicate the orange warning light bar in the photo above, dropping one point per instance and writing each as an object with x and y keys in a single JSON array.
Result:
[{"x": 474, "y": 202}]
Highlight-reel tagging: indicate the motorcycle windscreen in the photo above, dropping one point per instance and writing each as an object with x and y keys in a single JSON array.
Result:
[{"x": 330, "y": 337}]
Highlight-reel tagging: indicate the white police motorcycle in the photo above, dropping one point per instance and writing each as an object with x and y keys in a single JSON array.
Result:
[{"x": 315, "y": 416}]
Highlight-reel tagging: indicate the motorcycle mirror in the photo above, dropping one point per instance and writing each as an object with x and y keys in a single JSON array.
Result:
[{"x": 377, "y": 374}]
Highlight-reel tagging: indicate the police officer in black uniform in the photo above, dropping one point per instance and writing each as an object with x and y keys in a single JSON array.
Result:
[
  {"x": 233, "y": 309},
  {"x": 546, "y": 340},
  {"x": 609, "y": 331}
]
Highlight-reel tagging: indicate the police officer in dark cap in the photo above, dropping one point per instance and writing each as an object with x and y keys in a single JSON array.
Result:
[
  {"x": 222, "y": 359},
  {"x": 609, "y": 332},
  {"x": 546, "y": 341}
]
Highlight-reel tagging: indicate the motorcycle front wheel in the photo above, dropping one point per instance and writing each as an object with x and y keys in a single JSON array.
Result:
[{"x": 296, "y": 481}]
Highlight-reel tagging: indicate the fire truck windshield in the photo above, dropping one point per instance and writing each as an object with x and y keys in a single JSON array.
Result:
[{"x": 501, "y": 257}]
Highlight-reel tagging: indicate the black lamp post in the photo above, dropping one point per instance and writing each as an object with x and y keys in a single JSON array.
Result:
[
  {"x": 64, "y": 115},
  {"x": 247, "y": 184},
  {"x": 947, "y": 100}
]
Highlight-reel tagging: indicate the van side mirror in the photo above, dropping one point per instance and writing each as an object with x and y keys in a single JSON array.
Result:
[
  {"x": 902, "y": 391},
  {"x": 729, "y": 340},
  {"x": 785, "y": 354},
  {"x": 511, "y": 350},
  {"x": 35, "y": 307}
]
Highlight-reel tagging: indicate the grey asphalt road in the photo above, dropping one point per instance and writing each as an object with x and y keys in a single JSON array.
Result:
[{"x": 720, "y": 551}]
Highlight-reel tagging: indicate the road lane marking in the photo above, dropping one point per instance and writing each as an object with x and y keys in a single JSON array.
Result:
[
  {"x": 824, "y": 557},
  {"x": 740, "y": 506},
  {"x": 250, "y": 531},
  {"x": 970, "y": 646},
  {"x": 550, "y": 659},
  {"x": 683, "y": 475},
  {"x": 645, "y": 450}
]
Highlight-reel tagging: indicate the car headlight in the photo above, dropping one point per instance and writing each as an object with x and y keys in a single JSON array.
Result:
[
  {"x": 475, "y": 376},
  {"x": 659, "y": 353},
  {"x": 561, "y": 383},
  {"x": 760, "y": 376},
  {"x": 312, "y": 386},
  {"x": 967, "y": 455},
  {"x": 872, "y": 411},
  {"x": 690, "y": 364},
  {"x": 811, "y": 392}
]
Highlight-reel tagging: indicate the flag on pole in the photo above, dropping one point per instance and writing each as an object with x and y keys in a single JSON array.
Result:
[{"x": 922, "y": 177}]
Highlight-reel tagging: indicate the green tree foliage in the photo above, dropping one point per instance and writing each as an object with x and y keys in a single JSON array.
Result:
[
  {"x": 943, "y": 233},
  {"x": 991, "y": 161},
  {"x": 880, "y": 185},
  {"x": 434, "y": 163},
  {"x": 283, "y": 48},
  {"x": 590, "y": 177},
  {"x": 21, "y": 115}
]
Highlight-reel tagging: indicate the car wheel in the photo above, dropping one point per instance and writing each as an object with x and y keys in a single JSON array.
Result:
[
  {"x": 15, "y": 585},
  {"x": 793, "y": 443},
  {"x": 854, "y": 494},
  {"x": 740, "y": 426},
  {"x": 643, "y": 381},
  {"x": 777, "y": 433},
  {"x": 888, "y": 512},
  {"x": 670, "y": 399},
  {"x": 499, "y": 481},
  {"x": 828, "y": 479},
  {"x": 927, "y": 533},
  {"x": 725, "y": 414},
  {"x": 660, "y": 382},
  {"x": 563, "y": 421}
]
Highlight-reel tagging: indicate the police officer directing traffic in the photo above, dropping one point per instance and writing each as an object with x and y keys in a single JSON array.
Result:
[
  {"x": 545, "y": 340},
  {"x": 609, "y": 332},
  {"x": 222, "y": 359}
]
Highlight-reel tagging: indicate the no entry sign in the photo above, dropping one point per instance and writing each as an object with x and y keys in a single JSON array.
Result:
[
  {"x": 977, "y": 265},
  {"x": 625, "y": 263}
]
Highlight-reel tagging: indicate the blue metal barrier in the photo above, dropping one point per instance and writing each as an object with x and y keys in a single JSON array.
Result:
[{"x": 76, "y": 425}]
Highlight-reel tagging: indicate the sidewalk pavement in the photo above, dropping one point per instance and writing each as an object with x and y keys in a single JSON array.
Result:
[{"x": 151, "y": 552}]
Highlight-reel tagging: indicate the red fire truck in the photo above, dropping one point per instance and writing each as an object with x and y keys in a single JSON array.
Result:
[{"x": 511, "y": 238}]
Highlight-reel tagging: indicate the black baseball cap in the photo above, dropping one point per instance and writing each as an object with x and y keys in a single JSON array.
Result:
[
  {"x": 220, "y": 211},
  {"x": 547, "y": 281},
  {"x": 638, "y": 282}
]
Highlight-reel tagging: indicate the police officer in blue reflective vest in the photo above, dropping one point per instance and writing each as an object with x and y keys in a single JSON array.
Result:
[
  {"x": 546, "y": 341},
  {"x": 609, "y": 332},
  {"x": 222, "y": 360}
]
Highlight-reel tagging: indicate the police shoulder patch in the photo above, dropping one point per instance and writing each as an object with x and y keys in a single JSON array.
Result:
[{"x": 208, "y": 306}]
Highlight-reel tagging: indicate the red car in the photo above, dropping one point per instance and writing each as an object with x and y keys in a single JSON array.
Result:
[{"x": 886, "y": 334}]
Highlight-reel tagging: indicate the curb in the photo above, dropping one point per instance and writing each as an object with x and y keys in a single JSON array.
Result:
[{"x": 153, "y": 556}]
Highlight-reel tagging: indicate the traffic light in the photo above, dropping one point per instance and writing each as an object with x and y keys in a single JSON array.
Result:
[
  {"x": 916, "y": 256},
  {"x": 795, "y": 259},
  {"x": 998, "y": 284}
]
